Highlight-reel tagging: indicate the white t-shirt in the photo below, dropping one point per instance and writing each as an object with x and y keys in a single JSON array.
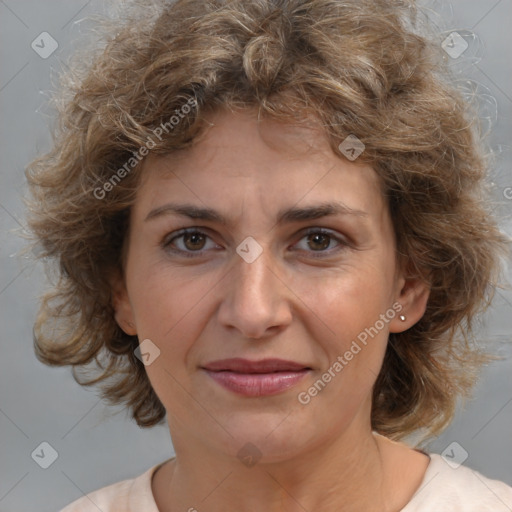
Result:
[{"x": 443, "y": 489}]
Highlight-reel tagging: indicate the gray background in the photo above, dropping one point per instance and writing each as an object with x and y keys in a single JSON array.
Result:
[{"x": 98, "y": 445}]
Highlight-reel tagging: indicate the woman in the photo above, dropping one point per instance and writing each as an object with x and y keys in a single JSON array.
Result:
[{"x": 270, "y": 228}]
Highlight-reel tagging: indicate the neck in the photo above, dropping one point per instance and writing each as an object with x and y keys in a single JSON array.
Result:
[{"x": 350, "y": 474}]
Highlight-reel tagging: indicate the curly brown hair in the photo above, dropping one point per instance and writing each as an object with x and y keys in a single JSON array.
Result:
[{"x": 361, "y": 67}]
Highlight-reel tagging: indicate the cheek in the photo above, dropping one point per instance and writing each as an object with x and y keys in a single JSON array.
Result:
[
  {"x": 169, "y": 306},
  {"x": 170, "y": 311},
  {"x": 349, "y": 301},
  {"x": 353, "y": 330}
]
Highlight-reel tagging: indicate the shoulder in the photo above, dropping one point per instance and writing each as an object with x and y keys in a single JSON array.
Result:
[
  {"x": 125, "y": 496},
  {"x": 459, "y": 489}
]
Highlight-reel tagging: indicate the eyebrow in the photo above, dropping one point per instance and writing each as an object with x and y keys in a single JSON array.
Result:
[{"x": 288, "y": 215}]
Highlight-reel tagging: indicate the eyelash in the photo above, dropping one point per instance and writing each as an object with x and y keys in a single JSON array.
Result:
[{"x": 168, "y": 240}]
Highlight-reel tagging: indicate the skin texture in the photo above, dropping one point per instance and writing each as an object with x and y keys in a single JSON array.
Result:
[{"x": 304, "y": 299}]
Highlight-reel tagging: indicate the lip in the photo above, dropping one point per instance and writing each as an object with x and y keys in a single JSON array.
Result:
[{"x": 256, "y": 378}]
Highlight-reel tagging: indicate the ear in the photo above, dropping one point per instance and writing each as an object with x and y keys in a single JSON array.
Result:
[
  {"x": 121, "y": 303},
  {"x": 412, "y": 295}
]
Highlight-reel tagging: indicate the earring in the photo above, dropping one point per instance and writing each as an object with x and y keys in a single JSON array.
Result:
[{"x": 402, "y": 317}]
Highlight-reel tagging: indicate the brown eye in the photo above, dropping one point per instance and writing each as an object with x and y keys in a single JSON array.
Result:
[
  {"x": 194, "y": 241},
  {"x": 318, "y": 241},
  {"x": 188, "y": 243}
]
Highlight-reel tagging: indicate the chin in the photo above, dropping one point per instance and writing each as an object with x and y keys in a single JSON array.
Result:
[{"x": 267, "y": 436}]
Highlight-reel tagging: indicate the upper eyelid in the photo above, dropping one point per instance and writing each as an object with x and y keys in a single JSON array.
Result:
[{"x": 180, "y": 232}]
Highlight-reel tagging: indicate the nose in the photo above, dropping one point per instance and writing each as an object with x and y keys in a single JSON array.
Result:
[{"x": 256, "y": 299}]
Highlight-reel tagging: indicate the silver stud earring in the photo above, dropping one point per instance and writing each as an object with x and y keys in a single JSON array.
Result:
[{"x": 402, "y": 317}]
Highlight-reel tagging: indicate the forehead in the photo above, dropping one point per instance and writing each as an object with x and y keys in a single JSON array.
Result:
[{"x": 259, "y": 161}]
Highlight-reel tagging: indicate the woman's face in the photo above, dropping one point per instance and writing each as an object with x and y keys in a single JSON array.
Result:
[{"x": 289, "y": 256}]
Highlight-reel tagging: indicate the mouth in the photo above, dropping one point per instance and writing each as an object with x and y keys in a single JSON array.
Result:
[{"x": 256, "y": 378}]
